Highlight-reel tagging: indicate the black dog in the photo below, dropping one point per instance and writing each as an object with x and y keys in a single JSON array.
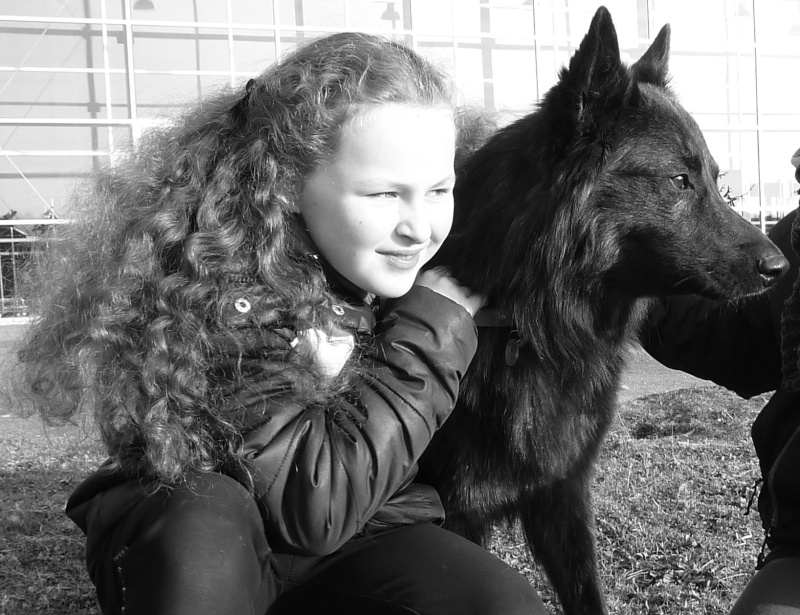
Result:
[{"x": 568, "y": 221}]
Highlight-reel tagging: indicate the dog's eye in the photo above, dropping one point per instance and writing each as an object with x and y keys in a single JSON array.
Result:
[{"x": 681, "y": 182}]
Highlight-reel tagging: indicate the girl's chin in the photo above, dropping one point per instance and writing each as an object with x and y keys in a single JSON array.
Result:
[{"x": 392, "y": 291}]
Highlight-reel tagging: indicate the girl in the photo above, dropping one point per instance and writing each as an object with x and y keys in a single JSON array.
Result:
[{"x": 217, "y": 312}]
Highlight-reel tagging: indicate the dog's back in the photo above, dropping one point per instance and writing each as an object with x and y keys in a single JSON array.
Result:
[{"x": 569, "y": 221}]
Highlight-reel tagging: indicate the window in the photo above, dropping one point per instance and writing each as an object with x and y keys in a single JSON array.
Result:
[{"x": 79, "y": 79}]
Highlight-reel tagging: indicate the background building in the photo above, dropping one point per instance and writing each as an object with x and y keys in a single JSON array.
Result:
[{"x": 81, "y": 79}]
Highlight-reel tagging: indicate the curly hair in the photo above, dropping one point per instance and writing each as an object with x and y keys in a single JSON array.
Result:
[{"x": 134, "y": 297}]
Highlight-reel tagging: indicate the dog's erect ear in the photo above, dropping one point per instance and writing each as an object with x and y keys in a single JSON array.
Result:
[
  {"x": 652, "y": 66},
  {"x": 595, "y": 67}
]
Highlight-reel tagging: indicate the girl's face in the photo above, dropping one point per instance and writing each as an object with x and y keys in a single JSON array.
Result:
[{"x": 383, "y": 205}]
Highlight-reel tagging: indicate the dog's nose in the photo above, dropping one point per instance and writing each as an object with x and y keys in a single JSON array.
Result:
[{"x": 772, "y": 267}]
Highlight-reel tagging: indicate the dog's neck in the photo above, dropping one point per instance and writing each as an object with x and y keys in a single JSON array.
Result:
[
  {"x": 496, "y": 318},
  {"x": 493, "y": 317}
]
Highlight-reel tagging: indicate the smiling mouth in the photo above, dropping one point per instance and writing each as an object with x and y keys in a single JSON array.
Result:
[{"x": 403, "y": 260}]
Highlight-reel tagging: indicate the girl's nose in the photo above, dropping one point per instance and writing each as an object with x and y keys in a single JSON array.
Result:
[{"x": 414, "y": 223}]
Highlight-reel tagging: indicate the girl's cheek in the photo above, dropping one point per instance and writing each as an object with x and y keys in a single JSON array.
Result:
[{"x": 444, "y": 223}]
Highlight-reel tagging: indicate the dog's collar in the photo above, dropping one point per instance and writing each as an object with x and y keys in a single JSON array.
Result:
[
  {"x": 498, "y": 319},
  {"x": 493, "y": 317}
]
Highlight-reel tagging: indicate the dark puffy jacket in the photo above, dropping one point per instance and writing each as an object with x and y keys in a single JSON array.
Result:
[
  {"x": 738, "y": 346},
  {"x": 324, "y": 477}
]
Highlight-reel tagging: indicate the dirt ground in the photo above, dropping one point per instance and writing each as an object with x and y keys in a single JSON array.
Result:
[{"x": 645, "y": 375}]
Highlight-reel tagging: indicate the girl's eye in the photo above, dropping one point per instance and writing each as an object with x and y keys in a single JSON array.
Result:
[
  {"x": 681, "y": 182},
  {"x": 383, "y": 195},
  {"x": 441, "y": 191}
]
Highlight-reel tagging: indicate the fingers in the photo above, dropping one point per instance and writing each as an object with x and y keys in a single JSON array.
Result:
[{"x": 439, "y": 280}]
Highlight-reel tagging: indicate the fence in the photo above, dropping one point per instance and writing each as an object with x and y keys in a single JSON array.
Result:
[
  {"x": 18, "y": 236},
  {"x": 16, "y": 241}
]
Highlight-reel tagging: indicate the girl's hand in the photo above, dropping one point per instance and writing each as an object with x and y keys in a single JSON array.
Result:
[
  {"x": 439, "y": 280},
  {"x": 329, "y": 351}
]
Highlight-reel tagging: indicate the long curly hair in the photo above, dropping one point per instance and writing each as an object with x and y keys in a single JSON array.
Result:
[{"x": 134, "y": 298}]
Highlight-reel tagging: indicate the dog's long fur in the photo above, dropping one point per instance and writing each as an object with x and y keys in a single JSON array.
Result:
[{"x": 569, "y": 221}]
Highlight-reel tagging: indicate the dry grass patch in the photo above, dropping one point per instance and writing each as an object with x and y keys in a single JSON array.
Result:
[
  {"x": 672, "y": 486},
  {"x": 41, "y": 558}
]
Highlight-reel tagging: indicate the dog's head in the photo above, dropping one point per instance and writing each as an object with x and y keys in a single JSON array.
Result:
[
  {"x": 676, "y": 234},
  {"x": 609, "y": 179}
]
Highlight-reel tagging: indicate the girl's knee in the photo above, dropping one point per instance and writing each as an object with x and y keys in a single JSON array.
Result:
[
  {"x": 211, "y": 514},
  {"x": 511, "y": 594},
  {"x": 203, "y": 543}
]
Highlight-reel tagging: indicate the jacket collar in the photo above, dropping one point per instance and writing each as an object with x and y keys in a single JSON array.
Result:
[{"x": 357, "y": 311}]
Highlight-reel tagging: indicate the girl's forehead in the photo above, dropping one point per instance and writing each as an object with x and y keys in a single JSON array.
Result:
[
  {"x": 395, "y": 113},
  {"x": 417, "y": 127},
  {"x": 395, "y": 141},
  {"x": 379, "y": 132}
]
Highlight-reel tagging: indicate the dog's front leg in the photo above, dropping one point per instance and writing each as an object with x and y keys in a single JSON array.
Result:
[{"x": 558, "y": 521}]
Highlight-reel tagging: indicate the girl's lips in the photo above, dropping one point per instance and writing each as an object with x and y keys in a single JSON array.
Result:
[{"x": 403, "y": 260}]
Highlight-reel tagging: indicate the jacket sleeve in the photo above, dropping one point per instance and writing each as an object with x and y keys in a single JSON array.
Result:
[
  {"x": 734, "y": 344},
  {"x": 321, "y": 473}
]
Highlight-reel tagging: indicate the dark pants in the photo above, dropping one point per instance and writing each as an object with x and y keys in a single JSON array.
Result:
[{"x": 203, "y": 551}]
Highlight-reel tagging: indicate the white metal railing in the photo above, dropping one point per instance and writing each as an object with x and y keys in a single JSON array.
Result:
[
  {"x": 18, "y": 235},
  {"x": 16, "y": 240}
]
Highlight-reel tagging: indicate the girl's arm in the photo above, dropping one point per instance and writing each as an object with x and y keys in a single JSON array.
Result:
[
  {"x": 321, "y": 474},
  {"x": 732, "y": 344}
]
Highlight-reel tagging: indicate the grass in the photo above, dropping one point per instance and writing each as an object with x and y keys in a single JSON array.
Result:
[{"x": 672, "y": 486}]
